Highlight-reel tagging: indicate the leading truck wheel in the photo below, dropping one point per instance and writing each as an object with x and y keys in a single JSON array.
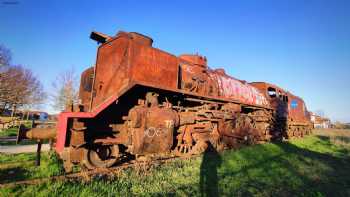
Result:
[{"x": 100, "y": 156}]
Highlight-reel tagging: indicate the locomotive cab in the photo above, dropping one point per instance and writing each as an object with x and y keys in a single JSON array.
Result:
[{"x": 290, "y": 111}]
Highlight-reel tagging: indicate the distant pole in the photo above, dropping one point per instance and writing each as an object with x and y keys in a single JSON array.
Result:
[
  {"x": 38, "y": 150},
  {"x": 51, "y": 144},
  {"x": 13, "y": 113}
]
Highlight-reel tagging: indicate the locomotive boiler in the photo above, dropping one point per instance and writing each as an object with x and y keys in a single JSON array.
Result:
[{"x": 140, "y": 101}]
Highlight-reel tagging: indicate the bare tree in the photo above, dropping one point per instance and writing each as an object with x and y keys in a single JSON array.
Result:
[
  {"x": 65, "y": 90},
  {"x": 5, "y": 56},
  {"x": 19, "y": 87}
]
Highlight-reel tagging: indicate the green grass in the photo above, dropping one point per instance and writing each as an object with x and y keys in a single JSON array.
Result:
[
  {"x": 9, "y": 132},
  {"x": 312, "y": 166},
  {"x": 13, "y": 130},
  {"x": 22, "y": 166}
]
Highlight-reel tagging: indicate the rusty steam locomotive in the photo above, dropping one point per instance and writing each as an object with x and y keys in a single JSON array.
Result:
[{"x": 144, "y": 102}]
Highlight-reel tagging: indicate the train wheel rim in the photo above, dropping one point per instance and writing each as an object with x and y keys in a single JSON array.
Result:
[{"x": 101, "y": 156}]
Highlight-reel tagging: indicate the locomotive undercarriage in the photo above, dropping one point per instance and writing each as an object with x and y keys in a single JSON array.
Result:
[
  {"x": 152, "y": 129},
  {"x": 285, "y": 129},
  {"x": 297, "y": 130}
]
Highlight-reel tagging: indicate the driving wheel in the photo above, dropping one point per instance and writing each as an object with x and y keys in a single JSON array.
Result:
[{"x": 101, "y": 156}]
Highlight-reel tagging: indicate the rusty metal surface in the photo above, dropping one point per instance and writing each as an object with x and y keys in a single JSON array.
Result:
[
  {"x": 37, "y": 133},
  {"x": 285, "y": 103},
  {"x": 291, "y": 115},
  {"x": 41, "y": 133},
  {"x": 127, "y": 59},
  {"x": 161, "y": 67},
  {"x": 141, "y": 101},
  {"x": 232, "y": 88},
  {"x": 197, "y": 77},
  {"x": 111, "y": 69},
  {"x": 86, "y": 81},
  {"x": 152, "y": 129}
]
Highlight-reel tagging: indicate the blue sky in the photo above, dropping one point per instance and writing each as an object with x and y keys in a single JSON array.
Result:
[{"x": 303, "y": 46}]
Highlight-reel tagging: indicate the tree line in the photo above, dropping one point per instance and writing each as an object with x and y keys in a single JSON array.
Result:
[{"x": 21, "y": 89}]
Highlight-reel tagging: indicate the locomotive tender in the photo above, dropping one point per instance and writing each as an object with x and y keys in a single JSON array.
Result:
[{"x": 141, "y": 101}]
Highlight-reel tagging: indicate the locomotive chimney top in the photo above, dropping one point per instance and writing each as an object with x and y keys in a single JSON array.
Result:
[
  {"x": 195, "y": 59},
  {"x": 99, "y": 37}
]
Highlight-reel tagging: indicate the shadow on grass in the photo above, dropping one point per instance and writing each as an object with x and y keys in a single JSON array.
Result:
[
  {"x": 18, "y": 167},
  {"x": 209, "y": 172},
  {"x": 344, "y": 139},
  {"x": 12, "y": 174},
  {"x": 339, "y": 140},
  {"x": 296, "y": 171}
]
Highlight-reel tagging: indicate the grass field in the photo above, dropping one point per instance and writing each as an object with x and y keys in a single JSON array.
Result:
[
  {"x": 9, "y": 132},
  {"x": 22, "y": 166},
  {"x": 318, "y": 165}
]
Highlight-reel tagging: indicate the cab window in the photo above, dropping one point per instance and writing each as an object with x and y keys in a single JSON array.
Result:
[
  {"x": 271, "y": 92},
  {"x": 294, "y": 104}
]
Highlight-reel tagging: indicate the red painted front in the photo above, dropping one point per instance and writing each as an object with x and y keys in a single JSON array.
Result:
[{"x": 63, "y": 118}]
